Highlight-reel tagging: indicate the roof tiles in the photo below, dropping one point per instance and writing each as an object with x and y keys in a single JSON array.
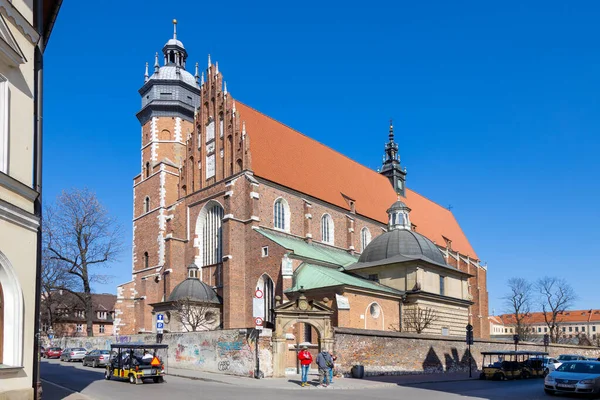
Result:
[{"x": 278, "y": 152}]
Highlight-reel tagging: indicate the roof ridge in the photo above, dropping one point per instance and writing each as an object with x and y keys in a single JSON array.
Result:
[{"x": 310, "y": 138}]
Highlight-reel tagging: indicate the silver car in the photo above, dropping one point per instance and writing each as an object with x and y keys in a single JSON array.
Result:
[
  {"x": 73, "y": 354},
  {"x": 574, "y": 377}
]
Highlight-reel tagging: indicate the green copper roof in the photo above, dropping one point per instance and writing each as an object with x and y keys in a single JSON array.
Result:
[
  {"x": 310, "y": 276},
  {"x": 315, "y": 251}
]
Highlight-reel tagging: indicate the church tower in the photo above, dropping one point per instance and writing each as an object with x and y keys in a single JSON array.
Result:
[
  {"x": 170, "y": 96},
  {"x": 391, "y": 165}
]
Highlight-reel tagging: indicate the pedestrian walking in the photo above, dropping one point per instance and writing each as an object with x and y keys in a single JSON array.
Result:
[
  {"x": 325, "y": 364},
  {"x": 331, "y": 370},
  {"x": 305, "y": 360}
]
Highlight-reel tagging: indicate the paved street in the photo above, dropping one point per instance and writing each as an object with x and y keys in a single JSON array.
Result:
[{"x": 61, "y": 380}]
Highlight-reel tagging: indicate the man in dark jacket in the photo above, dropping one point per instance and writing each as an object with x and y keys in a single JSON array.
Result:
[{"x": 325, "y": 363}]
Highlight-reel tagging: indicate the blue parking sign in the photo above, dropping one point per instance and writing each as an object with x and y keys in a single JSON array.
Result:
[{"x": 160, "y": 325}]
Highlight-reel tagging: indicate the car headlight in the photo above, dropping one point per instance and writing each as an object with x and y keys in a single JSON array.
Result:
[
  {"x": 587, "y": 381},
  {"x": 549, "y": 379}
]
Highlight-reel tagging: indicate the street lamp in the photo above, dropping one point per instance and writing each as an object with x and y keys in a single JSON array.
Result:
[
  {"x": 516, "y": 340},
  {"x": 469, "y": 343}
]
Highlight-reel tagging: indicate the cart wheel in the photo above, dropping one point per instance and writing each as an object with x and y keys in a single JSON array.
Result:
[
  {"x": 161, "y": 379},
  {"x": 94, "y": 364},
  {"x": 482, "y": 376},
  {"x": 107, "y": 375},
  {"x": 525, "y": 375},
  {"x": 546, "y": 372},
  {"x": 132, "y": 379},
  {"x": 498, "y": 376}
]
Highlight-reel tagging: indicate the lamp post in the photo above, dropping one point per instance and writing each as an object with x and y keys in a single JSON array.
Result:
[
  {"x": 516, "y": 340},
  {"x": 546, "y": 342},
  {"x": 469, "y": 343}
]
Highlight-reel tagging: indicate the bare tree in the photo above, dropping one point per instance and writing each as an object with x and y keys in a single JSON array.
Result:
[
  {"x": 194, "y": 316},
  {"x": 418, "y": 319},
  {"x": 556, "y": 296},
  {"x": 518, "y": 303},
  {"x": 81, "y": 235}
]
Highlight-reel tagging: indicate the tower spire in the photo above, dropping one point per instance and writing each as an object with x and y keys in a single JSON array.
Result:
[
  {"x": 209, "y": 63},
  {"x": 174, "y": 29},
  {"x": 146, "y": 74},
  {"x": 202, "y": 79},
  {"x": 391, "y": 164},
  {"x": 196, "y": 75},
  {"x": 156, "y": 66},
  {"x": 225, "y": 88}
]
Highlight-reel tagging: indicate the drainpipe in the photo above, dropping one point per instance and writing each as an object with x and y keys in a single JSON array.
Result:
[{"x": 38, "y": 66}]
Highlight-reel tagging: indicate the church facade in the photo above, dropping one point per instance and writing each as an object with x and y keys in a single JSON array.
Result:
[{"x": 255, "y": 204}]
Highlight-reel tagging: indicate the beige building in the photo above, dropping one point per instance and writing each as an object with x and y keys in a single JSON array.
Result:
[{"x": 24, "y": 29}]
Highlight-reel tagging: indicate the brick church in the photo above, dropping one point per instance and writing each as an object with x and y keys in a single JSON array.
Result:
[{"x": 230, "y": 200}]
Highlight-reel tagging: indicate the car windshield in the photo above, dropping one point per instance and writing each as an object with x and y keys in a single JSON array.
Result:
[
  {"x": 567, "y": 358},
  {"x": 580, "y": 367},
  {"x": 79, "y": 349},
  {"x": 104, "y": 352}
]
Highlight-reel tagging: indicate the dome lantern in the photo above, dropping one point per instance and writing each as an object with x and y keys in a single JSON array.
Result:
[
  {"x": 193, "y": 271},
  {"x": 398, "y": 216}
]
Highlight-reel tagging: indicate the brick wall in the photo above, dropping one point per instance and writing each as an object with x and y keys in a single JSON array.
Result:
[{"x": 398, "y": 353}]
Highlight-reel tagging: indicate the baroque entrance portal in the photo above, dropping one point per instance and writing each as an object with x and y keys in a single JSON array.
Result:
[{"x": 305, "y": 311}]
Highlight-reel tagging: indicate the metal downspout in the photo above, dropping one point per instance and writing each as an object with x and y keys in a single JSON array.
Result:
[{"x": 38, "y": 65}]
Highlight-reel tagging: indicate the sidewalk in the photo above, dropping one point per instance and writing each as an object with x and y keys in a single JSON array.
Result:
[{"x": 291, "y": 382}]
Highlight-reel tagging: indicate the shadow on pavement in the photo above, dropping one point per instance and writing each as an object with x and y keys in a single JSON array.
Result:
[{"x": 69, "y": 376}]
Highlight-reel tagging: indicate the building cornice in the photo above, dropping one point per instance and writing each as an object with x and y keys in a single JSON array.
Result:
[
  {"x": 18, "y": 216},
  {"x": 24, "y": 26}
]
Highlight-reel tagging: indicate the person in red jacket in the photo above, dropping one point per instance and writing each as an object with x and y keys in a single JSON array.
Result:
[{"x": 305, "y": 360}]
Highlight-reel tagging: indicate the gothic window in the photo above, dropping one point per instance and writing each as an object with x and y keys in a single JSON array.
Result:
[
  {"x": 265, "y": 283},
  {"x": 221, "y": 125},
  {"x": 147, "y": 169},
  {"x": 281, "y": 215},
  {"x": 146, "y": 260},
  {"x": 365, "y": 238},
  {"x": 327, "y": 229},
  {"x": 209, "y": 232},
  {"x": 147, "y": 204}
]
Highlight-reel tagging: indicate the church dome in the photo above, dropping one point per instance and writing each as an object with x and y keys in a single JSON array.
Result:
[
  {"x": 195, "y": 290},
  {"x": 174, "y": 42},
  {"x": 401, "y": 242},
  {"x": 170, "y": 72}
]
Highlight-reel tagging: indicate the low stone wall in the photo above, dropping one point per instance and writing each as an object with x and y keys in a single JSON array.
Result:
[
  {"x": 390, "y": 353},
  {"x": 224, "y": 351}
]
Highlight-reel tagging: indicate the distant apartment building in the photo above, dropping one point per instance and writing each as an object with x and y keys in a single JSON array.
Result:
[
  {"x": 63, "y": 314},
  {"x": 572, "y": 324}
]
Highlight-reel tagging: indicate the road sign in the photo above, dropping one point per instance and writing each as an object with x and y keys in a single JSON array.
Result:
[
  {"x": 160, "y": 317},
  {"x": 50, "y": 336},
  {"x": 160, "y": 325},
  {"x": 258, "y": 321},
  {"x": 258, "y": 294},
  {"x": 258, "y": 307}
]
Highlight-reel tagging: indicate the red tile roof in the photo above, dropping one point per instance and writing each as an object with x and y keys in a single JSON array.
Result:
[
  {"x": 495, "y": 319},
  {"x": 279, "y": 152},
  {"x": 571, "y": 316}
]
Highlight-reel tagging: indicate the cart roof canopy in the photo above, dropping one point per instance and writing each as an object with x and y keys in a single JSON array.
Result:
[
  {"x": 514, "y": 353},
  {"x": 139, "y": 346}
]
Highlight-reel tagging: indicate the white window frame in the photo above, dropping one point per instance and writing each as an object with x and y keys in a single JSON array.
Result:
[
  {"x": 209, "y": 234},
  {"x": 79, "y": 328},
  {"x": 327, "y": 229},
  {"x": 4, "y": 133},
  {"x": 281, "y": 214},
  {"x": 102, "y": 329},
  {"x": 365, "y": 238}
]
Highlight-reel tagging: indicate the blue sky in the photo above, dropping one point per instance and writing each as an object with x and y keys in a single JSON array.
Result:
[{"x": 496, "y": 109}]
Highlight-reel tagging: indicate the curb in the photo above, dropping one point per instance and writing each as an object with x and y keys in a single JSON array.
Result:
[{"x": 196, "y": 378}]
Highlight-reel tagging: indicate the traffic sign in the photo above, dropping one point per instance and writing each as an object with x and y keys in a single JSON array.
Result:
[
  {"x": 258, "y": 294},
  {"x": 160, "y": 325},
  {"x": 160, "y": 317},
  {"x": 50, "y": 336},
  {"x": 258, "y": 321}
]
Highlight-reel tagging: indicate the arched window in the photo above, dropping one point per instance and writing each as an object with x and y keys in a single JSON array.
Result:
[
  {"x": 146, "y": 260},
  {"x": 1, "y": 322},
  {"x": 147, "y": 169},
  {"x": 147, "y": 204},
  {"x": 327, "y": 229},
  {"x": 365, "y": 238},
  {"x": 11, "y": 315},
  {"x": 265, "y": 283},
  {"x": 281, "y": 215},
  {"x": 209, "y": 233}
]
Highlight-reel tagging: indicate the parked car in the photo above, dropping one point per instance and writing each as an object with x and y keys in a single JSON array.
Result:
[
  {"x": 550, "y": 364},
  {"x": 98, "y": 358},
  {"x": 574, "y": 377},
  {"x": 73, "y": 354},
  {"x": 570, "y": 357},
  {"x": 53, "y": 352}
]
